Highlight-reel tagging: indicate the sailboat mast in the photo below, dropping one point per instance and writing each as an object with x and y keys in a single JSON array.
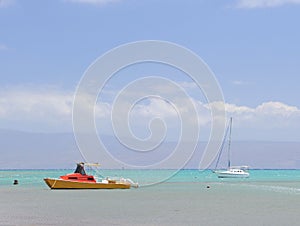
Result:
[{"x": 229, "y": 142}]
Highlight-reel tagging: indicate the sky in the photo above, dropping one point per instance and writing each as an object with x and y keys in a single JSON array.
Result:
[{"x": 252, "y": 47}]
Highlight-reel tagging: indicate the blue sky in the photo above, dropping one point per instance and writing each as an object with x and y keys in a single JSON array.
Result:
[{"x": 252, "y": 46}]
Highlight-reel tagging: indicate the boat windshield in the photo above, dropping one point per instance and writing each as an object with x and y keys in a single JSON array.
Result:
[{"x": 80, "y": 169}]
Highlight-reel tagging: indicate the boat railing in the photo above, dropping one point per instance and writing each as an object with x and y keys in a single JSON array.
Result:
[
  {"x": 118, "y": 179},
  {"x": 240, "y": 167}
]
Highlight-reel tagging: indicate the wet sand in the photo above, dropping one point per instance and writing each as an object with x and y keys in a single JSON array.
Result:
[{"x": 164, "y": 204}]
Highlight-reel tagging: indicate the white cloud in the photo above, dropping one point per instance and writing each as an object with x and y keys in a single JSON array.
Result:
[
  {"x": 94, "y": 2},
  {"x": 156, "y": 108},
  {"x": 264, "y": 3},
  {"x": 50, "y": 109},
  {"x": 46, "y": 107},
  {"x": 277, "y": 109},
  {"x": 102, "y": 110},
  {"x": 268, "y": 115},
  {"x": 269, "y": 109}
]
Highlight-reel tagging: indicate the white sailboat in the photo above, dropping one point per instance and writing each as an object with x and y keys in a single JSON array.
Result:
[{"x": 232, "y": 171}]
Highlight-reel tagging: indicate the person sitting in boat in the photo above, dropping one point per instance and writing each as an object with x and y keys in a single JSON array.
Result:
[{"x": 80, "y": 168}]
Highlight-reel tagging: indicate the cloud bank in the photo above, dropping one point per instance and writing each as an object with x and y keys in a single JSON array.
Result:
[
  {"x": 35, "y": 109},
  {"x": 49, "y": 109}
]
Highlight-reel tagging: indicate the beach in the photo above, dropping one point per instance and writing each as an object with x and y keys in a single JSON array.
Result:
[{"x": 169, "y": 203}]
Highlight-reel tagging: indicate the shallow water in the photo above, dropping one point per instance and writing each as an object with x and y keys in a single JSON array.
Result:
[
  {"x": 34, "y": 178},
  {"x": 269, "y": 197}
]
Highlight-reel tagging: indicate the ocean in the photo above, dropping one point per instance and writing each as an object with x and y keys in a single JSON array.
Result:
[
  {"x": 34, "y": 178},
  {"x": 190, "y": 197}
]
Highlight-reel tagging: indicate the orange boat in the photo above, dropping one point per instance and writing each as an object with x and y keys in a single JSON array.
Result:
[{"x": 80, "y": 180}]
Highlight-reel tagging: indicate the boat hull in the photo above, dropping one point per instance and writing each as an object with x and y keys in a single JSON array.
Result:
[
  {"x": 68, "y": 184},
  {"x": 232, "y": 175}
]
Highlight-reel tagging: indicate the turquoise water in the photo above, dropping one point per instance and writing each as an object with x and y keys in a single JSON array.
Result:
[
  {"x": 34, "y": 178},
  {"x": 268, "y": 197}
]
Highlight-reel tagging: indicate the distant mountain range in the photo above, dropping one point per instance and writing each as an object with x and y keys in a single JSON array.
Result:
[{"x": 25, "y": 150}]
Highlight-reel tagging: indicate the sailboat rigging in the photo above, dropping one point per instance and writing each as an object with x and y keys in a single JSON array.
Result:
[{"x": 231, "y": 172}]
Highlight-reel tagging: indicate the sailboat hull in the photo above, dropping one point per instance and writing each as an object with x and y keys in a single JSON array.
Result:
[{"x": 232, "y": 174}]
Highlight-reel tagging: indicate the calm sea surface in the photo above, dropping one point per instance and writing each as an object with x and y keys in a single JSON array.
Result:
[
  {"x": 34, "y": 178},
  {"x": 190, "y": 197}
]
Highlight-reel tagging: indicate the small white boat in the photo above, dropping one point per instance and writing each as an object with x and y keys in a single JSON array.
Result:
[{"x": 231, "y": 172}]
